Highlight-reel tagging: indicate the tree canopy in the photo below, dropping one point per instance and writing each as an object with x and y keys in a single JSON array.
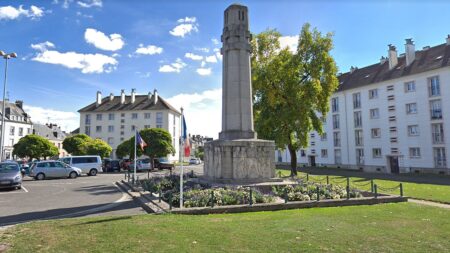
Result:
[
  {"x": 34, "y": 146},
  {"x": 292, "y": 89},
  {"x": 81, "y": 144}
]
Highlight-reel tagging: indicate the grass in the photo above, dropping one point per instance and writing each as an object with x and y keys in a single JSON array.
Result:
[
  {"x": 431, "y": 192},
  {"x": 403, "y": 227}
]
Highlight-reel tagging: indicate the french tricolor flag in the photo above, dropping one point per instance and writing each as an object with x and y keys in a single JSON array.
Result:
[{"x": 186, "y": 143}]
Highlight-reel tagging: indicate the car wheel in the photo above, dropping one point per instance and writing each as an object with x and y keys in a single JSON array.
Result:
[
  {"x": 19, "y": 187},
  {"x": 93, "y": 172},
  {"x": 40, "y": 176},
  {"x": 73, "y": 174}
]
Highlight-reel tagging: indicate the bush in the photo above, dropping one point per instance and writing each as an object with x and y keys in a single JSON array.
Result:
[{"x": 308, "y": 191}]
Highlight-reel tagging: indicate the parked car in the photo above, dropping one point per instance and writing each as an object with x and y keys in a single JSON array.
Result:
[
  {"x": 53, "y": 169},
  {"x": 89, "y": 164},
  {"x": 10, "y": 175},
  {"x": 24, "y": 166},
  {"x": 125, "y": 164},
  {"x": 142, "y": 164},
  {"x": 162, "y": 163},
  {"x": 195, "y": 161},
  {"x": 110, "y": 165}
]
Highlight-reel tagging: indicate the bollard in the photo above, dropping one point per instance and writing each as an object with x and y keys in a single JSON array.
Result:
[
  {"x": 348, "y": 188},
  {"x": 401, "y": 189},
  {"x": 286, "y": 198},
  {"x": 159, "y": 196},
  {"x": 192, "y": 173},
  {"x": 371, "y": 185},
  {"x": 307, "y": 177},
  {"x": 279, "y": 173},
  {"x": 328, "y": 180},
  {"x": 212, "y": 199},
  {"x": 170, "y": 200},
  {"x": 251, "y": 196},
  {"x": 375, "y": 190},
  {"x": 318, "y": 193}
]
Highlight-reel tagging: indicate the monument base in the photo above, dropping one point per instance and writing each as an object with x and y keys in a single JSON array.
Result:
[{"x": 239, "y": 161}]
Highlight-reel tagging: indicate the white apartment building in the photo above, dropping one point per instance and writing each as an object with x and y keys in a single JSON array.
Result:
[
  {"x": 392, "y": 116},
  {"x": 17, "y": 125},
  {"x": 114, "y": 119},
  {"x": 54, "y": 134}
]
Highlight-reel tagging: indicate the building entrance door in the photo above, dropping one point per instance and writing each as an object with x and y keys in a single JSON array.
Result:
[
  {"x": 393, "y": 162},
  {"x": 312, "y": 161}
]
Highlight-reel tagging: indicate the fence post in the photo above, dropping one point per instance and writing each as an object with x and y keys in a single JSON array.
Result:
[
  {"x": 307, "y": 177},
  {"x": 251, "y": 196},
  {"x": 170, "y": 200},
  {"x": 286, "y": 198},
  {"x": 375, "y": 190},
  {"x": 401, "y": 189},
  {"x": 318, "y": 193},
  {"x": 212, "y": 198},
  {"x": 328, "y": 180},
  {"x": 371, "y": 185},
  {"x": 279, "y": 173},
  {"x": 348, "y": 188},
  {"x": 159, "y": 196}
]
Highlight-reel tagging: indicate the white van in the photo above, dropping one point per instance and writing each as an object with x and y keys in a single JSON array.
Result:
[{"x": 89, "y": 164}]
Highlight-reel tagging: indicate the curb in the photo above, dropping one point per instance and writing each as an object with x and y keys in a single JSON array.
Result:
[{"x": 148, "y": 203}]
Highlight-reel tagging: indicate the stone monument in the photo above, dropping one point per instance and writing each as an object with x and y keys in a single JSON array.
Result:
[{"x": 238, "y": 156}]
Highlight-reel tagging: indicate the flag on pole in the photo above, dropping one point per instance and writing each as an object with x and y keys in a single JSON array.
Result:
[
  {"x": 140, "y": 141},
  {"x": 187, "y": 144}
]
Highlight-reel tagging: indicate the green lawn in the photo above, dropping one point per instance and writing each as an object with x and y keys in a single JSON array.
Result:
[
  {"x": 416, "y": 190},
  {"x": 403, "y": 227}
]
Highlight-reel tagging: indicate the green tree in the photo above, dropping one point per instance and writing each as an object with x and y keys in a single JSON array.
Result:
[
  {"x": 125, "y": 149},
  {"x": 159, "y": 143},
  {"x": 200, "y": 152},
  {"x": 34, "y": 146},
  {"x": 75, "y": 144},
  {"x": 292, "y": 89},
  {"x": 96, "y": 147}
]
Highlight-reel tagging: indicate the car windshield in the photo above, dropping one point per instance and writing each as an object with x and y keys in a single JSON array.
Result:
[
  {"x": 163, "y": 160},
  {"x": 8, "y": 167}
]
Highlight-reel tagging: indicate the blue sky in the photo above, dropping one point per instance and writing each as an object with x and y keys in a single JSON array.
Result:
[{"x": 70, "y": 49}]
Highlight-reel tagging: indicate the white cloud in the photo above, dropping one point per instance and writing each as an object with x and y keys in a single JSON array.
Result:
[
  {"x": 218, "y": 54},
  {"x": 112, "y": 43},
  {"x": 193, "y": 56},
  {"x": 204, "y": 71},
  {"x": 91, "y": 3},
  {"x": 148, "y": 50},
  {"x": 186, "y": 26},
  {"x": 289, "y": 41},
  {"x": 203, "y": 49},
  {"x": 11, "y": 13},
  {"x": 203, "y": 64},
  {"x": 215, "y": 41},
  {"x": 87, "y": 63},
  {"x": 176, "y": 67},
  {"x": 68, "y": 121},
  {"x": 211, "y": 59},
  {"x": 197, "y": 108}
]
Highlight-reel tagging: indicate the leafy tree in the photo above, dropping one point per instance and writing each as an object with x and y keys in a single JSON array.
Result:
[
  {"x": 200, "y": 152},
  {"x": 34, "y": 146},
  {"x": 125, "y": 149},
  {"x": 292, "y": 89},
  {"x": 159, "y": 143},
  {"x": 75, "y": 144},
  {"x": 97, "y": 147}
]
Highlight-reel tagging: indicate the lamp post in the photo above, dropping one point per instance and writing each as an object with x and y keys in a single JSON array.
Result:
[{"x": 2, "y": 140}]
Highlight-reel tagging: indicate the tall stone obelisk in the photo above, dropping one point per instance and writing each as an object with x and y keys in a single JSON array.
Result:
[{"x": 237, "y": 156}]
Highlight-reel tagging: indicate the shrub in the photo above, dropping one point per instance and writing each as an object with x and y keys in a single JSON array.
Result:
[{"x": 308, "y": 191}]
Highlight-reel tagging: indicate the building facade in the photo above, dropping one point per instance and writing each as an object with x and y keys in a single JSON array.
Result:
[
  {"x": 17, "y": 125},
  {"x": 115, "y": 119},
  {"x": 390, "y": 117},
  {"x": 54, "y": 134}
]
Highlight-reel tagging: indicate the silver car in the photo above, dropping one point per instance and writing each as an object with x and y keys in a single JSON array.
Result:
[
  {"x": 10, "y": 175},
  {"x": 53, "y": 169}
]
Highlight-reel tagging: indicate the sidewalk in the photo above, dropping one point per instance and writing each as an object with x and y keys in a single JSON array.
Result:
[{"x": 429, "y": 203}]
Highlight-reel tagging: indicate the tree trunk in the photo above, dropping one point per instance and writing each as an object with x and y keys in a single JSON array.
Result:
[{"x": 293, "y": 160}]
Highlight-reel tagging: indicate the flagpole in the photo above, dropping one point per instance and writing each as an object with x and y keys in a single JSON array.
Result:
[
  {"x": 135, "y": 160},
  {"x": 182, "y": 158}
]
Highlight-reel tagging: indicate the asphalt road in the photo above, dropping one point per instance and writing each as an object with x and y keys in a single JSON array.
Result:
[{"x": 65, "y": 198}]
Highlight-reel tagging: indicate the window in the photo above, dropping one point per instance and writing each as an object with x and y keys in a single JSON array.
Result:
[
  {"x": 122, "y": 127},
  {"x": 374, "y": 113},
  {"x": 110, "y": 140},
  {"x": 87, "y": 130},
  {"x": 302, "y": 153},
  {"x": 159, "y": 117},
  {"x": 20, "y": 131},
  {"x": 392, "y": 118},
  {"x": 356, "y": 100},
  {"x": 86, "y": 159},
  {"x": 376, "y": 132},
  {"x": 335, "y": 104},
  {"x": 414, "y": 152},
  {"x": 111, "y": 116},
  {"x": 28, "y": 130},
  {"x": 391, "y": 108},
  {"x": 357, "y": 119},
  {"x": 390, "y": 88},
  {"x": 337, "y": 156},
  {"x": 437, "y": 133},
  {"x": 159, "y": 126},
  {"x": 121, "y": 133},
  {"x": 439, "y": 157},
  {"x": 99, "y": 116},
  {"x": 121, "y": 138},
  {"x": 324, "y": 120},
  {"x": 134, "y": 115},
  {"x": 393, "y": 129},
  {"x": 98, "y": 129},
  {"x": 393, "y": 139},
  {"x": 87, "y": 119},
  {"x": 434, "y": 88},
  {"x": 373, "y": 93},
  {"x": 359, "y": 156},
  {"x": 410, "y": 86},
  {"x": 376, "y": 152},
  {"x": 394, "y": 150},
  {"x": 313, "y": 135},
  {"x": 335, "y": 121},
  {"x": 391, "y": 98},
  {"x": 324, "y": 153},
  {"x": 436, "y": 109},
  {"x": 122, "y": 121},
  {"x": 358, "y": 137},
  {"x": 133, "y": 127},
  {"x": 110, "y": 129},
  {"x": 323, "y": 137},
  {"x": 147, "y": 115},
  {"x": 146, "y": 126},
  {"x": 313, "y": 143},
  {"x": 413, "y": 130},
  {"x": 411, "y": 108},
  {"x": 12, "y": 130},
  {"x": 337, "y": 139},
  {"x": 122, "y": 115}
]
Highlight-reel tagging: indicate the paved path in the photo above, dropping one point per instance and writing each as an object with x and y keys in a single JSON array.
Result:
[{"x": 429, "y": 203}]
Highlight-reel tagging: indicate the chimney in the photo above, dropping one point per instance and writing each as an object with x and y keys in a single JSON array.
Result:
[
  {"x": 448, "y": 40},
  {"x": 19, "y": 103},
  {"x": 352, "y": 69},
  {"x": 392, "y": 55},
  {"x": 133, "y": 95},
  {"x": 122, "y": 96},
  {"x": 410, "y": 51},
  {"x": 111, "y": 97},
  {"x": 99, "y": 98},
  {"x": 149, "y": 95},
  {"x": 155, "y": 96},
  {"x": 383, "y": 60}
]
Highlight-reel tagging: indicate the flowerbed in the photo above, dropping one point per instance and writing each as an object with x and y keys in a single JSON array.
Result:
[{"x": 306, "y": 191}]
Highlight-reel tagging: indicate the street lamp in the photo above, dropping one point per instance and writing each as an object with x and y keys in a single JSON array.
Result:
[{"x": 2, "y": 140}]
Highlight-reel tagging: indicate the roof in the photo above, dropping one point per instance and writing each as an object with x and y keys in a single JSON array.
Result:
[
  {"x": 14, "y": 109},
  {"x": 142, "y": 102},
  {"x": 425, "y": 60},
  {"x": 50, "y": 132}
]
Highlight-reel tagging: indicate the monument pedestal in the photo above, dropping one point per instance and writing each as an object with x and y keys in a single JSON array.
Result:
[{"x": 239, "y": 161}]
